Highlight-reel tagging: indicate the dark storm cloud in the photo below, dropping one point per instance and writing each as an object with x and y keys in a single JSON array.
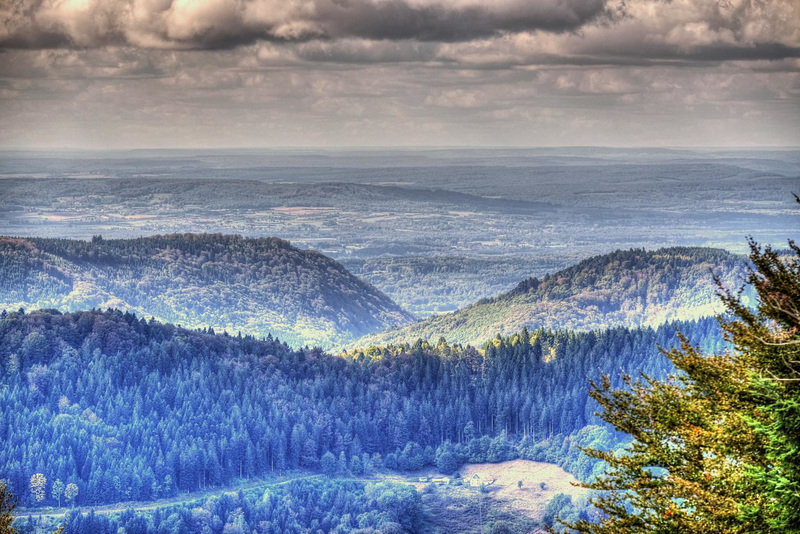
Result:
[
  {"x": 220, "y": 24},
  {"x": 622, "y": 32},
  {"x": 440, "y": 22}
]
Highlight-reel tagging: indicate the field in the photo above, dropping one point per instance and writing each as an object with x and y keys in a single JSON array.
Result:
[
  {"x": 458, "y": 507},
  {"x": 531, "y": 498}
]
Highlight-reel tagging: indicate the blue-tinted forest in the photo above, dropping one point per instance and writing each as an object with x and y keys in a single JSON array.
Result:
[
  {"x": 317, "y": 505},
  {"x": 131, "y": 409}
]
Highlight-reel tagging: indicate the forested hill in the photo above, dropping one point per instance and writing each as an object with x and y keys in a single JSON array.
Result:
[
  {"x": 259, "y": 286},
  {"x": 129, "y": 409},
  {"x": 624, "y": 288}
]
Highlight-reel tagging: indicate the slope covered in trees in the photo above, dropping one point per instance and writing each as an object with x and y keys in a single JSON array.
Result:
[
  {"x": 624, "y": 288},
  {"x": 129, "y": 409},
  {"x": 259, "y": 286},
  {"x": 300, "y": 506}
]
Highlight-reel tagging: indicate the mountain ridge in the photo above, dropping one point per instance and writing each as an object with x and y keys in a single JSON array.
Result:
[
  {"x": 262, "y": 286},
  {"x": 630, "y": 288}
]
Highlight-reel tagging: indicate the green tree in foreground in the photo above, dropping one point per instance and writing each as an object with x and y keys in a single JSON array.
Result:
[
  {"x": 7, "y": 505},
  {"x": 717, "y": 446}
]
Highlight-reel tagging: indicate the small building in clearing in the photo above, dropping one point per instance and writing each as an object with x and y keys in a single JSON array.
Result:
[
  {"x": 441, "y": 481},
  {"x": 479, "y": 479}
]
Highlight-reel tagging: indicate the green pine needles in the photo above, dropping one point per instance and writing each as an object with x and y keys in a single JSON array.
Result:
[
  {"x": 7, "y": 505},
  {"x": 716, "y": 446}
]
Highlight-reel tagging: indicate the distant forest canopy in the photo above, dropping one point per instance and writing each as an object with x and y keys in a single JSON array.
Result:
[
  {"x": 438, "y": 283},
  {"x": 259, "y": 286},
  {"x": 132, "y": 409},
  {"x": 629, "y": 288}
]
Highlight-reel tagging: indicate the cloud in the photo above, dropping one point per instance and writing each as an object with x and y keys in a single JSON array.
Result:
[
  {"x": 457, "y": 98},
  {"x": 651, "y": 33},
  {"x": 316, "y": 72},
  {"x": 209, "y": 24},
  {"x": 223, "y": 98},
  {"x": 363, "y": 51},
  {"x": 473, "y": 33}
]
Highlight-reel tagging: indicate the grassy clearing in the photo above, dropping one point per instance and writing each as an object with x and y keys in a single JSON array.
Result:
[
  {"x": 503, "y": 506},
  {"x": 455, "y": 508}
]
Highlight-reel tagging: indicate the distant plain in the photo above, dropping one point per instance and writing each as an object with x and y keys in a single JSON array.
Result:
[{"x": 434, "y": 229}]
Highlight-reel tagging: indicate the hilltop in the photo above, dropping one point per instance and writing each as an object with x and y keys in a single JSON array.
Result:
[
  {"x": 630, "y": 288},
  {"x": 258, "y": 286}
]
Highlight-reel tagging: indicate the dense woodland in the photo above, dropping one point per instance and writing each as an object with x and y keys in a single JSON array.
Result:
[
  {"x": 131, "y": 409},
  {"x": 259, "y": 286},
  {"x": 624, "y": 288},
  {"x": 315, "y": 505}
]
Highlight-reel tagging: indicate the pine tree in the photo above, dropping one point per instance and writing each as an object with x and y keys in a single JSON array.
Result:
[
  {"x": 328, "y": 464},
  {"x": 717, "y": 446},
  {"x": 7, "y": 505},
  {"x": 768, "y": 339}
]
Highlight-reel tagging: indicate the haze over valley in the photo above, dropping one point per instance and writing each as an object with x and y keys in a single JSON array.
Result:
[{"x": 434, "y": 229}]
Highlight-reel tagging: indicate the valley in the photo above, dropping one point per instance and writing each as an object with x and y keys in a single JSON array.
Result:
[
  {"x": 419, "y": 349},
  {"x": 469, "y": 223}
]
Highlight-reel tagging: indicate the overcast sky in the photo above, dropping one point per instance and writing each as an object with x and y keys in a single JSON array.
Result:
[{"x": 260, "y": 73}]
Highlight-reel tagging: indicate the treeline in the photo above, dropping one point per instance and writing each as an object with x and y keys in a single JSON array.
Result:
[
  {"x": 130, "y": 409},
  {"x": 651, "y": 274},
  {"x": 298, "y": 507},
  {"x": 262, "y": 286}
]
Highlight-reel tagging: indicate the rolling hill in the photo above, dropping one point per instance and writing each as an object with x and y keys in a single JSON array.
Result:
[
  {"x": 257, "y": 286},
  {"x": 628, "y": 288}
]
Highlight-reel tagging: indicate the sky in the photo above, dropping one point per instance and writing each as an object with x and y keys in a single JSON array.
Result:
[{"x": 328, "y": 73}]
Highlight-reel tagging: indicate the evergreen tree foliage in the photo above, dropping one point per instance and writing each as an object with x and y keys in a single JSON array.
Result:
[
  {"x": 768, "y": 342},
  {"x": 716, "y": 447},
  {"x": 7, "y": 505}
]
